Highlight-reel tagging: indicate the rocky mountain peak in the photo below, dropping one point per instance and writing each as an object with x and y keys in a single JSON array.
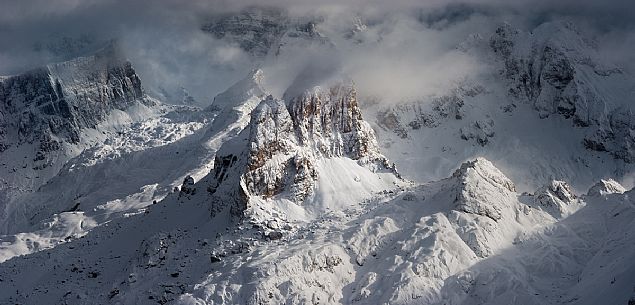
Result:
[
  {"x": 556, "y": 198},
  {"x": 271, "y": 132},
  {"x": 479, "y": 179},
  {"x": 330, "y": 120},
  {"x": 289, "y": 136},
  {"x": 283, "y": 151},
  {"x": 606, "y": 186},
  {"x": 481, "y": 168},
  {"x": 483, "y": 206}
]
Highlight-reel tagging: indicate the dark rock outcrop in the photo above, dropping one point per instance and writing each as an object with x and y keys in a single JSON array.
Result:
[
  {"x": 54, "y": 103},
  {"x": 44, "y": 112}
]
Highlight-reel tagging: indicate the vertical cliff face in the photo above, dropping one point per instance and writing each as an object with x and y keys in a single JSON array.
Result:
[
  {"x": 331, "y": 122},
  {"x": 271, "y": 148},
  {"x": 47, "y": 113},
  {"x": 55, "y": 102},
  {"x": 290, "y": 149},
  {"x": 326, "y": 122},
  {"x": 289, "y": 138}
]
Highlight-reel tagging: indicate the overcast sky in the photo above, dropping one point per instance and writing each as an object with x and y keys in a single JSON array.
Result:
[{"x": 163, "y": 39}]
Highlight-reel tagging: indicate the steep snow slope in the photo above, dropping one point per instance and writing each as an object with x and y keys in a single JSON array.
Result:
[
  {"x": 583, "y": 259},
  {"x": 49, "y": 115},
  {"x": 128, "y": 170},
  {"x": 433, "y": 243},
  {"x": 549, "y": 108}
]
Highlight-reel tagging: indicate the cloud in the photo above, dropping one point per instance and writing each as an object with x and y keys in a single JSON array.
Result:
[
  {"x": 413, "y": 60},
  {"x": 407, "y": 48}
]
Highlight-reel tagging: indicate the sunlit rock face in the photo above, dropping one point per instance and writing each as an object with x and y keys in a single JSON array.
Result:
[
  {"x": 286, "y": 139},
  {"x": 325, "y": 123}
]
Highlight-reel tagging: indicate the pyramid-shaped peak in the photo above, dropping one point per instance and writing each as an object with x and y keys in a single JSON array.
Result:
[
  {"x": 247, "y": 90},
  {"x": 606, "y": 186},
  {"x": 482, "y": 169}
]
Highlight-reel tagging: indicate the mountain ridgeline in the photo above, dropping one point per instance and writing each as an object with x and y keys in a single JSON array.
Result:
[{"x": 510, "y": 187}]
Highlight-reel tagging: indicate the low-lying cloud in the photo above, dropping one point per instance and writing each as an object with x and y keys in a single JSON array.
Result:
[{"x": 407, "y": 48}]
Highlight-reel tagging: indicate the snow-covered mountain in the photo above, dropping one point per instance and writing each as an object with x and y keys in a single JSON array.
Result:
[
  {"x": 262, "y": 31},
  {"x": 50, "y": 114},
  {"x": 132, "y": 166},
  {"x": 468, "y": 238},
  {"x": 77, "y": 136},
  {"x": 45, "y": 108},
  {"x": 508, "y": 188},
  {"x": 290, "y": 152},
  {"x": 548, "y": 108}
]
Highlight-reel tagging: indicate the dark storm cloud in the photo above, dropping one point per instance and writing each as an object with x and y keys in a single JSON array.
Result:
[{"x": 163, "y": 38}]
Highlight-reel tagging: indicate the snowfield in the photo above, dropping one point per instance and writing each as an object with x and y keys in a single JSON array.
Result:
[{"x": 434, "y": 243}]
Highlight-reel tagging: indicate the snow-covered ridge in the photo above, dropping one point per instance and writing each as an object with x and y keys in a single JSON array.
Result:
[
  {"x": 548, "y": 108},
  {"x": 558, "y": 71},
  {"x": 235, "y": 104},
  {"x": 415, "y": 246},
  {"x": 423, "y": 245}
]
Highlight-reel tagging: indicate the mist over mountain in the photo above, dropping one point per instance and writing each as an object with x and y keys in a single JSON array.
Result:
[
  {"x": 302, "y": 152},
  {"x": 402, "y": 39}
]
